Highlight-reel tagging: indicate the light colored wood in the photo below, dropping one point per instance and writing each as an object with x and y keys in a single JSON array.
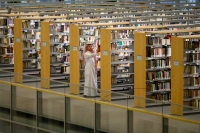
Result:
[
  {"x": 177, "y": 73},
  {"x": 18, "y": 54},
  {"x": 74, "y": 60},
  {"x": 122, "y": 28},
  {"x": 78, "y": 20},
  {"x": 105, "y": 64},
  {"x": 139, "y": 69},
  {"x": 46, "y": 17},
  {"x": 45, "y": 55},
  {"x": 105, "y": 24},
  {"x": 138, "y": 27},
  {"x": 24, "y": 14},
  {"x": 189, "y": 37},
  {"x": 172, "y": 31}
]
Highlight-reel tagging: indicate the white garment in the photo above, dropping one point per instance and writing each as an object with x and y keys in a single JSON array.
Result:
[{"x": 90, "y": 74}]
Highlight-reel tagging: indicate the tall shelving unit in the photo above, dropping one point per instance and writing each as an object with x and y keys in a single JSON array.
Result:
[
  {"x": 141, "y": 57},
  {"x": 185, "y": 74},
  {"x": 23, "y": 44},
  {"x": 112, "y": 44},
  {"x": 49, "y": 52},
  {"x": 94, "y": 28},
  {"x": 7, "y": 44}
]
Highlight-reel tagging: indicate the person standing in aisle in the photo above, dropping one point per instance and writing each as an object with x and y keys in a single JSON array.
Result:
[{"x": 89, "y": 58}]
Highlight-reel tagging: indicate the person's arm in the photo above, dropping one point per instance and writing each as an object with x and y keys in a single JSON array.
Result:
[{"x": 90, "y": 55}]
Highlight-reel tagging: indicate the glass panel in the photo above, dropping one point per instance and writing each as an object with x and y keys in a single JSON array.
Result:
[
  {"x": 24, "y": 105},
  {"x": 22, "y": 129},
  {"x": 51, "y": 111},
  {"x": 5, "y": 75},
  {"x": 183, "y": 127},
  {"x": 40, "y": 131},
  {"x": 5, "y": 126},
  {"x": 5, "y": 93},
  {"x": 148, "y": 117},
  {"x": 146, "y": 123},
  {"x": 54, "y": 85},
  {"x": 112, "y": 118},
  {"x": 31, "y": 81},
  {"x": 81, "y": 114}
]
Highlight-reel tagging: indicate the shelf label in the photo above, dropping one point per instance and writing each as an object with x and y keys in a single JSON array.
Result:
[
  {"x": 75, "y": 48},
  {"x": 139, "y": 57},
  {"x": 44, "y": 44},
  {"x": 17, "y": 40},
  {"x": 176, "y": 63},
  {"x": 105, "y": 53}
]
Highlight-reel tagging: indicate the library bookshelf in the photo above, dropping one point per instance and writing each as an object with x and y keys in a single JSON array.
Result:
[
  {"x": 22, "y": 40},
  {"x": 185, "y": 74},
  {"x": 142, "y": 57}
]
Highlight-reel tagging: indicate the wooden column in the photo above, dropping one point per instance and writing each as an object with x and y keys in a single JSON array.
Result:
[
  {"x": 140, "y": 69},
  {"x": 45, "y": 55},
  {"x": 18, "y": 52},
  {"x": 74, "y": 59},
  {"x": 177, "y": 73},
  {"x": 105, "y": 64}
]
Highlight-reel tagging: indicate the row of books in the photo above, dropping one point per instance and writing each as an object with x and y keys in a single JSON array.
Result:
[
  {"x": 120, "y": 35},
  {"x": 194, "y": 103},
  {"x": 6, "y": 60},
  {"x": 158, "y": 75},
  {"x": 6, "y": 50},
  {"x": 120, "y": 45},
  {"x": 3, "y": 31},
  {"x": 114, "y": 57},
  {"x": 161, "y": 97},
  {"x": 25, "y": 54},
  {"x": 27, "y": 64},
  {"x": 29, "y": 24},
  {"x": 27, "y": 44},
  {"x": 6, "y": 21},
  {"x": 53, "y": 69},
  {"x": 189, "y": 93},
  {"x": 158, "y": 52},
  {"x": 53, "y": 59},
  {"x": 191, "y": 81},
  {"x": 6, "y": 40},
  {"x": 59, "y": 28},
  {"x": 3, "y": 50},
  {"x": 27, "y": 35},
  {"x": 59, "y": 38},
  {"x": 152, "y": 40},
  {"x": 191, "y": 69},
  {"x": 82, "y": 75},
  {"x": 163, "y": 63},
  {"x": 192, "y": 45},
  {"x": 53, "y": 48},
  {"x": 65, "y": 69},
  {"x": 113, "y": 80},
  {"x": 82, "y": 64},
  {"x": 158, "y": 86},
  {"x": 192, "y": 57}
]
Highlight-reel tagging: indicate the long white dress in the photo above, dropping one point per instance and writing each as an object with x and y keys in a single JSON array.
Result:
[{"x": 90, "y": 74}]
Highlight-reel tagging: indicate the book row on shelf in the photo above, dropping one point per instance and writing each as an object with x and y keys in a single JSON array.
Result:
[
  {"x": 161, "y": 97},
  {"x": 6, "y": 21}
]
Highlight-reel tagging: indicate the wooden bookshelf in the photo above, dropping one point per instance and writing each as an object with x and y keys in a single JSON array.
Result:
[
  {"x": 18, "y": 66},
  {"x": 139, "y": 70},
  {"x": 45, "y": 55},
  {"x": 105, "y": 64},
  {"x": 74, "y": 60},
  {"x": 178, "y": 66}
]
